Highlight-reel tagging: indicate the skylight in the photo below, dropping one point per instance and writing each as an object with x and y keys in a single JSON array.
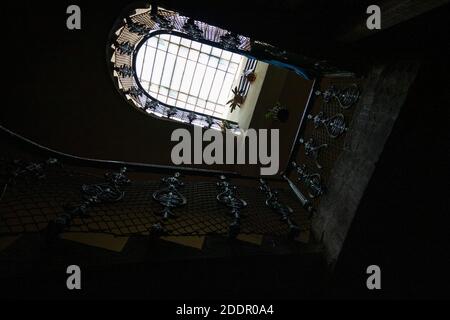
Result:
[{"x": 187, "y": 74}]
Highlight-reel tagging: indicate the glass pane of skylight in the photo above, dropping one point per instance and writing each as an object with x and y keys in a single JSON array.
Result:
[
  {"x": 162, "y": 44},
  {"x": 185, "y": 42},
  {"x": 187, "y": 78},
  {"x": 223, "y": 64},
  {"x": 148, "y": 64},
  {"x": 193, "y": 55},
  {"x": 174, "y": 39},
  {"x": 206, "y": 48},
  {"x": 140, "y": 62},
  {"x": 236, "y": 58},
  {"x": 158, "y": 66},
  {"x": 226, "y": 55},
  {"x": 164, "y": 91},
  {"x": 209, "y": 77},
  {"x": 183, "y": 52},
  {"x": 223, "y": 98},
  {"x": 216, "y": 52},
  {"x": 203, "y": 58},
  {"x": 152, "y": 42},
  {"x": 187, "y": 74},
  {"x": 167, "y": 75},
  {"x": 213, "y": 62},
  {"x": 197, "y": 82},
  {"x": 173, "y": 48},
  {"x": 178, "y": 74},
  {"x": 196, "y": 45},
  {"x": 217, "y": 85}
]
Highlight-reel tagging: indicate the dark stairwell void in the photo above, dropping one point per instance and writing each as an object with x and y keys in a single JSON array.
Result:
[
  {"x": 196, "y": 260},
  {"x": 82, "y": 115},
  {"x": 83, "y": 107}
]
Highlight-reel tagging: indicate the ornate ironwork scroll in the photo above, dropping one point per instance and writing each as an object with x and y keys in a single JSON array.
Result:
[
  {"x": 230, "y": 41},
  {"x": 151, "y": 104},
  {"x": 312, "y": 150},
  {"x": 228, "y": 197},
  {"x": 34, "y": 169},
  {"x": 334, "y": 125},
  {"x": 191, "y": 116},
  {"x": 125, "y": 71},
  {"x": 22, "y": 169},
  {"x": 345, "y": 97},
  {"x": 193, "y": 30},
  {"x": 137, "y": 28},
  {"x": 135, "y": 92},
  {"x": 124, "y": 48},
  {"x": 169, "y": 196},
  {"x": 94, "y": 194},
  {"x": 312, "y": 181},
  {"x": 283, "y": 210},
  {"x": 161, "y": 20}
]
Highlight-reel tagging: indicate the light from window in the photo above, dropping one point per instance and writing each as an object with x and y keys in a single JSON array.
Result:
[{"x": 187, "y": 74}]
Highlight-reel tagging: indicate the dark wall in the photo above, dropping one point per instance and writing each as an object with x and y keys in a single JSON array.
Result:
[
  {"x": 292, "y": 92},
  {"x": 402, "y": 221},
  {"x": 61, "y": 94}
]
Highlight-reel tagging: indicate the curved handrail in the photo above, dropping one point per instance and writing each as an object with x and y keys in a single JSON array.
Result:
[{"x": 155, "y": 168}]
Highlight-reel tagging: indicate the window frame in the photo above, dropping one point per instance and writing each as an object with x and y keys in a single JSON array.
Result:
[{"x": 213, "y": 44}]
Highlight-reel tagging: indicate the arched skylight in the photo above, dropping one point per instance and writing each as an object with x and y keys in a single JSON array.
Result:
[{"x": 188, "y": 74}]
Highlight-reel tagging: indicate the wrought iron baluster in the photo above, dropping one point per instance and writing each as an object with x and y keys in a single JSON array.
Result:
[
  {"x": 138, "y": 28},
  {"x": 21, "y": 169},
  {"x": 169, "y": 196},
  {"x": 230, "y": 41},
  {"x": 193, "y": 30},
  {"x": 228, "y": 197},
  {"x": 283, "y": 210},
  {"x": 335, "y": 125},
  {"x": 313, "y": 182},
  {"x": 162, "y": 21},
  {"x": 135, "y": 92},
  {"x": 124, "y": 48},
  {"x": 312, "y": 150},
  {"x": 124, "y": 71},
  {"x": 345, "y": 97},
  {"x": 108, "y": 192},
  {"x": 34, "y": 169}
]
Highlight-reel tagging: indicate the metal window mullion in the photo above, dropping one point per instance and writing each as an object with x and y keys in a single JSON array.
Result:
[
  {"x": 153, "y": 64},
  {"x": 242, "y": 78},
  {"x": 203, "y": 79},
  {"x": 173, "y": 71},
  {"x": 182, "y": 75},
  {"x": 223, "y": 80},
  {"x": 143, "y": 63},
  {"x": 217, "y": 68},
  {"x": 195, "y": 69},
  {"x": 221, "y": 88},
  {"x": 164, "y": 67},
  {"x": 212, "y": 84}
]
